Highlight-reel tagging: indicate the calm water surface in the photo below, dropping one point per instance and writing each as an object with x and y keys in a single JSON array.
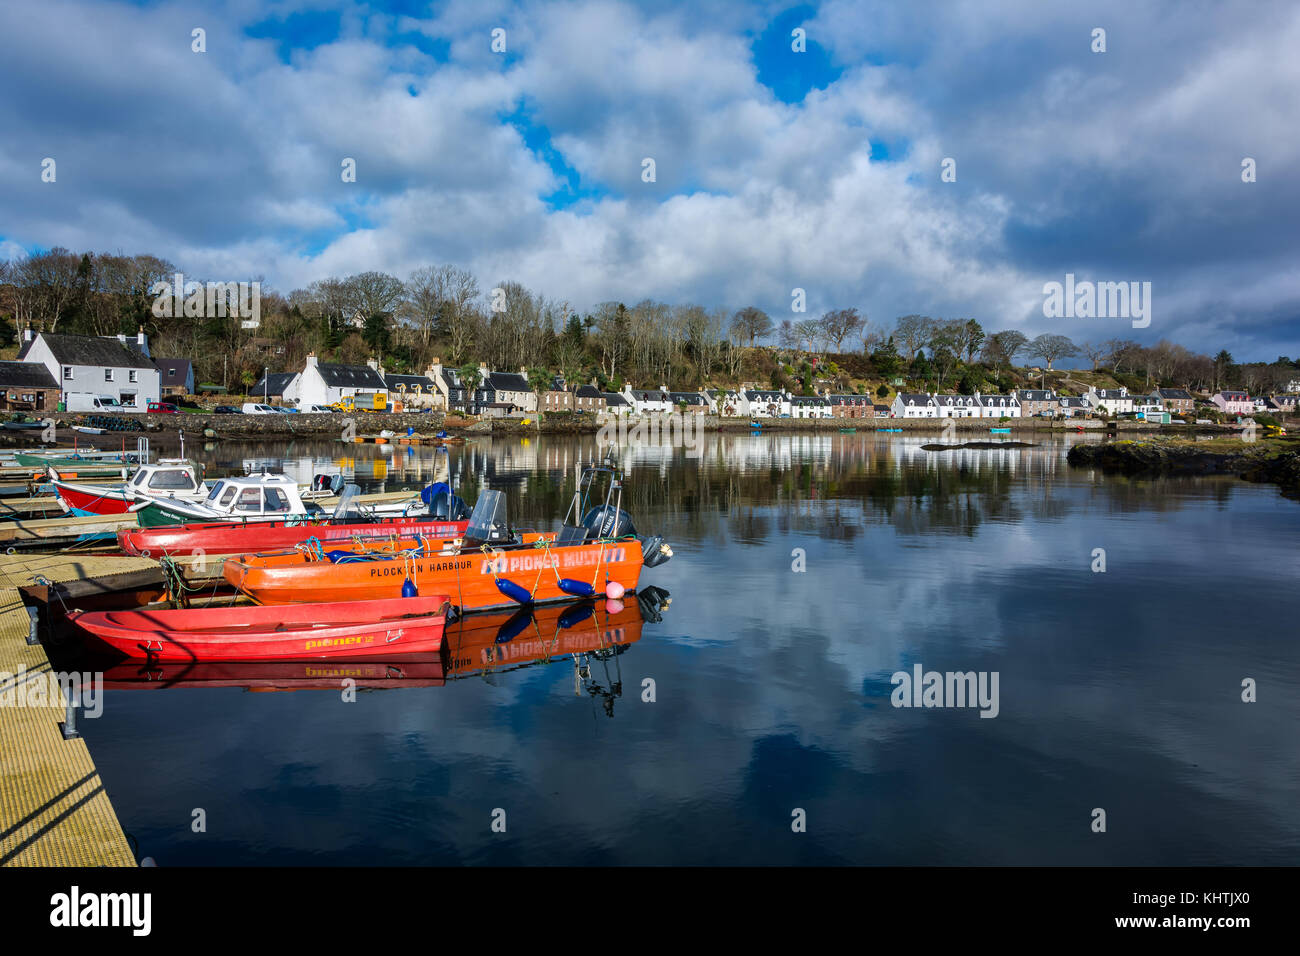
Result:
[{"x": 1118, "y": 690}]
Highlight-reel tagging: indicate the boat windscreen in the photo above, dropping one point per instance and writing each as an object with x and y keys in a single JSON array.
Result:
[
  {"x": 348, "y": 505},
  {"x": 489, "y": 515}
]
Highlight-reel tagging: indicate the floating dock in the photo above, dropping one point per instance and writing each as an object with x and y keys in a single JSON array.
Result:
[{"x": 54, "y": 810}]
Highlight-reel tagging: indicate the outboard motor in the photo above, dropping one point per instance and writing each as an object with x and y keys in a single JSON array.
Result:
[
  {"x": 320, "y": 483},
  {"x": 609, "y": 522},
  {"x": 654, "y": 552},
  {"x": 448, "y": 507}
]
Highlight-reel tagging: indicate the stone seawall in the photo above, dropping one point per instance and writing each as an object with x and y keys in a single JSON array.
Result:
[{"x": 331, "y": 425}]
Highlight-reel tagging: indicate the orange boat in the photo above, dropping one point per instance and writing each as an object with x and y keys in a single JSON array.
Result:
[
  {"x": 489, "y": 567},
  {"x": 476, "y": 579}
]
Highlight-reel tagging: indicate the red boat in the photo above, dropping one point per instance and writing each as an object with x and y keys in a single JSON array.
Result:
[
  {"x": 235, "y": 537},
  {"x": 357, "y": 629}
]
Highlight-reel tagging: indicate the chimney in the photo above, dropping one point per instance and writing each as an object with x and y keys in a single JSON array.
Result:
[
  {"x": 373, "y": 363},
  {"x": 482, "y": 373},
  {"x": 141, "y": 340},
  {"x": 312, "y": 360},
  {"x": 28, "y": 334}
]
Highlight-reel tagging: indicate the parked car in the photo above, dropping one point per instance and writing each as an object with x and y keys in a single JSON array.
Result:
[
  {"x": 257, "y": 408},
  {"x": 226, "y": 410},
  {"x": 319, "y": 409},
  {"x": 163, "y": 408},
  {"x": 284, "y": 409}
]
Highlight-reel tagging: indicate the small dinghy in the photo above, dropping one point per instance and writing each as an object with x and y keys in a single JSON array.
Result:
[{"x": 358, "y": 629}]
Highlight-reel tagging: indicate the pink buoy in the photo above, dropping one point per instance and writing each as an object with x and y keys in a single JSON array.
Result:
[
  {"x": 613, "y": 607},
  {"x": 614, "y": 591}
]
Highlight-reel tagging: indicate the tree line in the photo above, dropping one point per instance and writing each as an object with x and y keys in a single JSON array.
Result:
[{"x": 443, "y": 312}]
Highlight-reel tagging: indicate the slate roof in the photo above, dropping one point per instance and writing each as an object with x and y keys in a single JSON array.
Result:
[
  {"x": 279, "y": 382},
  {"x": 589, "y": 391},
  {"x": 614, "y": 398},
  {"x": 690, "y": 398},
  {"x": 1177, "y": 394},
  {"x": 173, "y": 371},
  {"x": 90, "y": 350},
  {"x": 764, "y": 396},
  {"x": 26, "y": 375},
  {"x": 423, "y": 382},
  {"x": 648, "y": 395},
  {"x": 508, "y": 382},
  {"x": 914, "y": 398},
  {"x": 350, "y": 376},
  {"x": 1035, "y": 395}
]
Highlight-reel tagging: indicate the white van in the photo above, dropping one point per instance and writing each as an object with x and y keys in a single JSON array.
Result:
[
  {"x": 257, "y": 408},
  {"x": 90, "y": 402}
]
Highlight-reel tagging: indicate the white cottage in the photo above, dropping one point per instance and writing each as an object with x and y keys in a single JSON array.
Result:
[
  {"x": 101, "y": 365},
  {"x": 326, "y": 384},
  {"x": 914, "y": 405}
]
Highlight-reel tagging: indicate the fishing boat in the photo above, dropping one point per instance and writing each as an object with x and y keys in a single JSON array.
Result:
[
  {"x": 258, "y": 498},
  {"x": 176, "y": 479},
  {"x": 490, "y": 567},
  {"x": 22, "y": 426},
  {"x": 301, "y": 632},
  {"x": 446, "y": 518},
  {"x": 89, "y": 430},
  {"x": 77, "y": 459}
]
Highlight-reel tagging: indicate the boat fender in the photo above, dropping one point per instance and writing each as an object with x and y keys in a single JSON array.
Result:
[
  {"x": 576, "y": 615},
  {"x": 614, "y": 591},
  {"x": 514, "y": 591},
  {"x": 576, "y": 588},
  {"x": 409, "y": 589}
]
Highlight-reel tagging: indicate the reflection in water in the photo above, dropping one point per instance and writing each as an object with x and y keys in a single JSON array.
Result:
[{"x": 772, "y": 684}]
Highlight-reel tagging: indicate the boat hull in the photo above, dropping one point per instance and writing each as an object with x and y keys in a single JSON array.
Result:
[
  {"x": 469, "y": 579},
  {"x": 304, "y": 632},
  {"x": 231, "y": 537},
  {"x": 84, "y": 500}
]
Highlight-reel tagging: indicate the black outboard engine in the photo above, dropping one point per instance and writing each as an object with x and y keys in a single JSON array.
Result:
[
  {"x": 609, "y": 522},
  {"x": 653, "y": 551},
  {"x": 447, "y": 507},
  {"x": 320, "y": 483}
]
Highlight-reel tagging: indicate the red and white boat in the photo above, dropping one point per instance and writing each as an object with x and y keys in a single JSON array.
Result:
[
  {"x": 357, "y": 629},
  {"x": 227, "y": 537},
  {"x": 169, "y": 478}
]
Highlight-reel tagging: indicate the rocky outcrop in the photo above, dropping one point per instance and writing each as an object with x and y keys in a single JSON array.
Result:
[{"x": 1274, "y": 460}]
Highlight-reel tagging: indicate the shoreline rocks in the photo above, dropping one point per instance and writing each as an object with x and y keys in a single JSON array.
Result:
[{"x": 1267, "y": 461}]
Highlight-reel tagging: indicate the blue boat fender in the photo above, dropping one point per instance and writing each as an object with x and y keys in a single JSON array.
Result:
[
  {"x": 409, "y": 589},
  {"x": 513, "y": 591},
  {"x": 576, "y": 588}
]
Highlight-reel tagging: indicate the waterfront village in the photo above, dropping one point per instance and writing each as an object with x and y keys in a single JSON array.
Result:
[{"x": 58, "y": 372}]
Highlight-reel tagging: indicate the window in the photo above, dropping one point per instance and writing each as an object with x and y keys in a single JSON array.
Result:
[
  {"x": 250, "y": 499},
  {"x": 228, "y": 497},
  {"x": 108, "y": 375},
  {"x": 133, "y": 376},
  {"x": 172, "y": 481},
  {"x": 276, "y": 500},
  {"x": 67, "y": 373}
]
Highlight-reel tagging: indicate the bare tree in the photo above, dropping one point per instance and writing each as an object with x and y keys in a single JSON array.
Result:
[
  {"x": 1098, "y": 353},
  {"x": 839, "y": 324},
  {"x": 751, "y": 324},
  {"x": 913, "y": 332},
  {"x": 1051, "y": 347}
]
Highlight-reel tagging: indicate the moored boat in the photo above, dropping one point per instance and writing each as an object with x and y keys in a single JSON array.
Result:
[
  {"x": 230, "y": 537},
  {"x": 489, "y": 567},
  {"x": 300, "y": 632},
  {"x": 167, "y": 478}
]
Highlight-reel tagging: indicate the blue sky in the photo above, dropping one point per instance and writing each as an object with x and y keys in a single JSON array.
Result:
[{"x": 775, "y": 169}]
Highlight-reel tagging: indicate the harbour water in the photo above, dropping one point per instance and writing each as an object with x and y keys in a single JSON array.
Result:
[{"x": 755, "y": 723}]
